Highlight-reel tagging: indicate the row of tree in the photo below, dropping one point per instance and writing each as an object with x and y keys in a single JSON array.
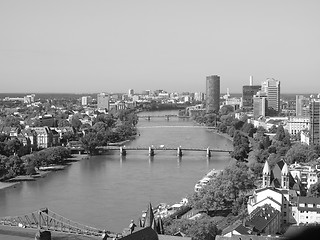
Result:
[{"x": 13, "y": 165}]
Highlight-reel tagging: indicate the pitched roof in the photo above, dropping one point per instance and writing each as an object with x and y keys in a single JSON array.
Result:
[{"x": 262, "y": 216}]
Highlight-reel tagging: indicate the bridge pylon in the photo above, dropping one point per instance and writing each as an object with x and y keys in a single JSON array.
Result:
[
  {"x": 151, "y": 151},
  {"x": 208, "y": 152},
  {"x": 179, "y": 152}
]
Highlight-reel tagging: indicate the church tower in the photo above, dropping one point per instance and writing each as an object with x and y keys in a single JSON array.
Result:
[
  {"x": 285, "y": 176},
  {"x": 266, "y": 175}
]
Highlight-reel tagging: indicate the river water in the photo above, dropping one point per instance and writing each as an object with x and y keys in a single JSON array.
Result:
[{"x": 107, "y": 191}]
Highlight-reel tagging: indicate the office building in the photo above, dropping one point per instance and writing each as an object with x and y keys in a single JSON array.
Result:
[
  {"x": 248, "y": 91},
  {"x": 130, "y": 92},
  {"x": 314, "y": 121},
  {"x": 302, "y": 106},
  {"x": 103, "y": 101},
  {"x": 272, "y": 88},
  {"x": 199, "y": 96},
  {"x": 213, "y": 94},
  {"x": 86, "y": 100},
  {"x": 260, "y": 105}
]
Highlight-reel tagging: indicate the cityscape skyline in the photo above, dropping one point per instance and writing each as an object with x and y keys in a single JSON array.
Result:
[{"x": 80, "y": 46}]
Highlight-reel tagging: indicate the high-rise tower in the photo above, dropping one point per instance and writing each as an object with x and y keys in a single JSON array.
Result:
[
  {"x": 213, "y": 94},
  {"x": 272, "y": 88},
  {"x": 248, "y": 91},
  {"x": 315, "y": 121}
]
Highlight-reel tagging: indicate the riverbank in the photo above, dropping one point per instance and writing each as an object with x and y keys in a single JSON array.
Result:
[
  {"x": 41, "y": 172},
  {"x": 225, "y": 135}
]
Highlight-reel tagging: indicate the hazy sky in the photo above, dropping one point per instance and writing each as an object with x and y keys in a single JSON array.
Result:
[{"x": 113, "y": 45}]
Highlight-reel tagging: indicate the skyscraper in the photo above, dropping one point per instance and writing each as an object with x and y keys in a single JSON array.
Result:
[
  {"x": 248, "y": 91},
  {"x": 315, "y": 121},
  {"x": 272, "y": 88},
  {"x": 212, "y": 93}
]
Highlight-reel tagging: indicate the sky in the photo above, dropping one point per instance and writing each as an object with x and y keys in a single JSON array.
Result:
[{"x": 90, "y": 46}]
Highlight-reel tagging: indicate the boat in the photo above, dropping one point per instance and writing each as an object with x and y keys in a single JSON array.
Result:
[{"x": 205, "y": 180}]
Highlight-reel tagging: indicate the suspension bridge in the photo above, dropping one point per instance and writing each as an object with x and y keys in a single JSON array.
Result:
[{"x": 47, "y": 220}]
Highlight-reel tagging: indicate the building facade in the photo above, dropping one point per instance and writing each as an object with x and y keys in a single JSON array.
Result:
[
  {"x": 314, "y": 121},
  {"x": 306, "y": 210},
  {"x": 302, "y": 106},
  {"x": 212, "y": 93},
  {"x": 272, "y": 88},
  {"x": 248, "y": 92},
  {"x": 260, "y": 105},
  {"x": 103, "y": 101},
  {"x": 297, "y": 124}
]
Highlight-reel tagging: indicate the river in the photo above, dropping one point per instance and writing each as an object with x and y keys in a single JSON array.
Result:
[{"x": 107, "y": 191}]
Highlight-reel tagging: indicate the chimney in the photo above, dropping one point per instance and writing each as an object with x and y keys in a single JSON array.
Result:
[{"x": 251, "y": 80}]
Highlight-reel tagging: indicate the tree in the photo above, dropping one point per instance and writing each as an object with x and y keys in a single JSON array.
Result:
[
  {"x": 200, "y": 229},
  {"x": 240, "y": 146},
  {"x": 89, "y": 142},
  {"x": 314, "y": 190},
  {"x": 249, "y": 129},
  {"x": 13, "y": 145},
  {"x": 11, "y": 121},
  {"x": 222, "y": 127},
  {"x": 280, "y": 134},
  {"x": 226, "y": 109},
  {"x": 273, "y": 129},
  {"x": 75, "y": 122},
  {"x": 300, "y": 153},
  {"x": 63, "y": 123},
  {"x": 224, "y": 190}
]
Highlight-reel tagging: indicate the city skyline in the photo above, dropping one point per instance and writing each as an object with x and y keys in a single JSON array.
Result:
[{"x": 112, "y": 46}]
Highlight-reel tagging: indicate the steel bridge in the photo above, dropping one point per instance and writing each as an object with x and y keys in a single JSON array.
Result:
[{"x": 46, "y": 220}]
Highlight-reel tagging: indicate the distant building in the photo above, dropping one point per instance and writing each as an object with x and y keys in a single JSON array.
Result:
[
  {"x": 198, "y": 96},
  {"x": 260, "y": 105},
  {"x": 86, "y": 100},
  {"x": 272, "y": 88},
  {"x": 130, "y": 92},
  {"x": 44, "y": 137},
  {"x": 306, "y": 210},
  {"x": 297, "y": 124},
  {"x": 307, "y": 175},
  {"x": 47, "y": 120},
  {"x": 103, "y": 101},
  {"x": 315, "y": 121},
  {"x": 302, "y": 106},
  {"x": 248, "y": 91},
  {"x": 146, "y": 92},
  {"x": 29, "y": 98},
  {"x": 212, "y": 93}
]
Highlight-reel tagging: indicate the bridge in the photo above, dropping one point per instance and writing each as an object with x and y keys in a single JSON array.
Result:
[
  {"x": 151, "y": 149},
  {"x": 167, "y": 117},
  {"x": 46, "y": 220}
]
